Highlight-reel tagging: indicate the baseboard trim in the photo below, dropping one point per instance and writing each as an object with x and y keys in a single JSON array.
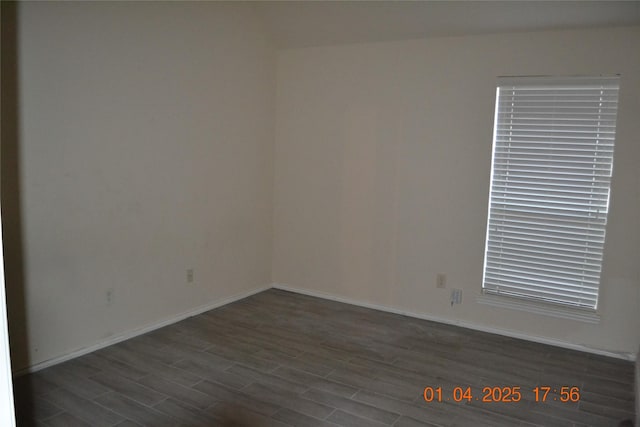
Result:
[
  {"x": 461, "y": 323},
  {"x": 123, "y": 336}
]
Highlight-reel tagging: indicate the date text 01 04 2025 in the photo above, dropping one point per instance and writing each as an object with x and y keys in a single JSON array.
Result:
[{"x": 503, "y": 394}]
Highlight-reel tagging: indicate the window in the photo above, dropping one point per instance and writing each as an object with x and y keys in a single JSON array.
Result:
[{"x": 553, "y": 146}]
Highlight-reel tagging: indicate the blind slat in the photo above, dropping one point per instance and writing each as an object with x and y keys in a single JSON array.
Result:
[
  {"x": 543, "y": 250},
  {"x": 551, "y": 170},
  {"x": 547, "y": 263}
]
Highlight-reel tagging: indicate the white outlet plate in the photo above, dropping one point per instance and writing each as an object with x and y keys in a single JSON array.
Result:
[
  {"x": 441, "y": 280},
  {"x": 456, "y": 296}
]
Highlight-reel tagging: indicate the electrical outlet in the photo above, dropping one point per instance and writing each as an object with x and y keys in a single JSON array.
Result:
[
  {"x": 456, "y": 296},
  {"x": 109, "y": 296},
  {"x": 441, "y": 280},
  {"x": 190, "y": 275}
]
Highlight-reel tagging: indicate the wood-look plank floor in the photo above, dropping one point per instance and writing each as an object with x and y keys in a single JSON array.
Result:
[{"x": 283, "y": 359}]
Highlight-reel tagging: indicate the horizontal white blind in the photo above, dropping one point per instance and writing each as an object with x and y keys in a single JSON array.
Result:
[{"x": 551, "y": 171}]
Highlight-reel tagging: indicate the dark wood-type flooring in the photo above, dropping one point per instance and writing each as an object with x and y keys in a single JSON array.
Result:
[{"x": 283, "y": 359}]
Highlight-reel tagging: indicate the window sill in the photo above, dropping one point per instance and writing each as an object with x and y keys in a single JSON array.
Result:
[{"x": 539, "y": 308}]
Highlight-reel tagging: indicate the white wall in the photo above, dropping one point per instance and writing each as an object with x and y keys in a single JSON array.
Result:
[
  {"x": 146, "y": 148},
  {"x": 382, "y": 170}
]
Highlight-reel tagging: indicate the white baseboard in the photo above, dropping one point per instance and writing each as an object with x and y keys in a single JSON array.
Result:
[
  {"x": 461, "y": 323},
  {"x": 123, "y": 336}
]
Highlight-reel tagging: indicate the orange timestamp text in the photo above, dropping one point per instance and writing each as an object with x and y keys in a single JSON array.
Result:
[{"x": 502, "y": 394}]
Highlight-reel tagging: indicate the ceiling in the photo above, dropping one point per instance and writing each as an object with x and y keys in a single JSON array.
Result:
[{"x": 315, "y": 23}]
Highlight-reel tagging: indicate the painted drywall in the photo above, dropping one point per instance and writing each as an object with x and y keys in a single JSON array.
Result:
[
  {"x": 145, "y": 148},
  {"x": 382, "y": 168}
]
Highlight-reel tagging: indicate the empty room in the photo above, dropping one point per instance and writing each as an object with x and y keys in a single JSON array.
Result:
[{"x": 318, "y": 213}]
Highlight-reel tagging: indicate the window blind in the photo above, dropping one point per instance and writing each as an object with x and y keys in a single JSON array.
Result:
[{"x": 551, "y": 169}]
